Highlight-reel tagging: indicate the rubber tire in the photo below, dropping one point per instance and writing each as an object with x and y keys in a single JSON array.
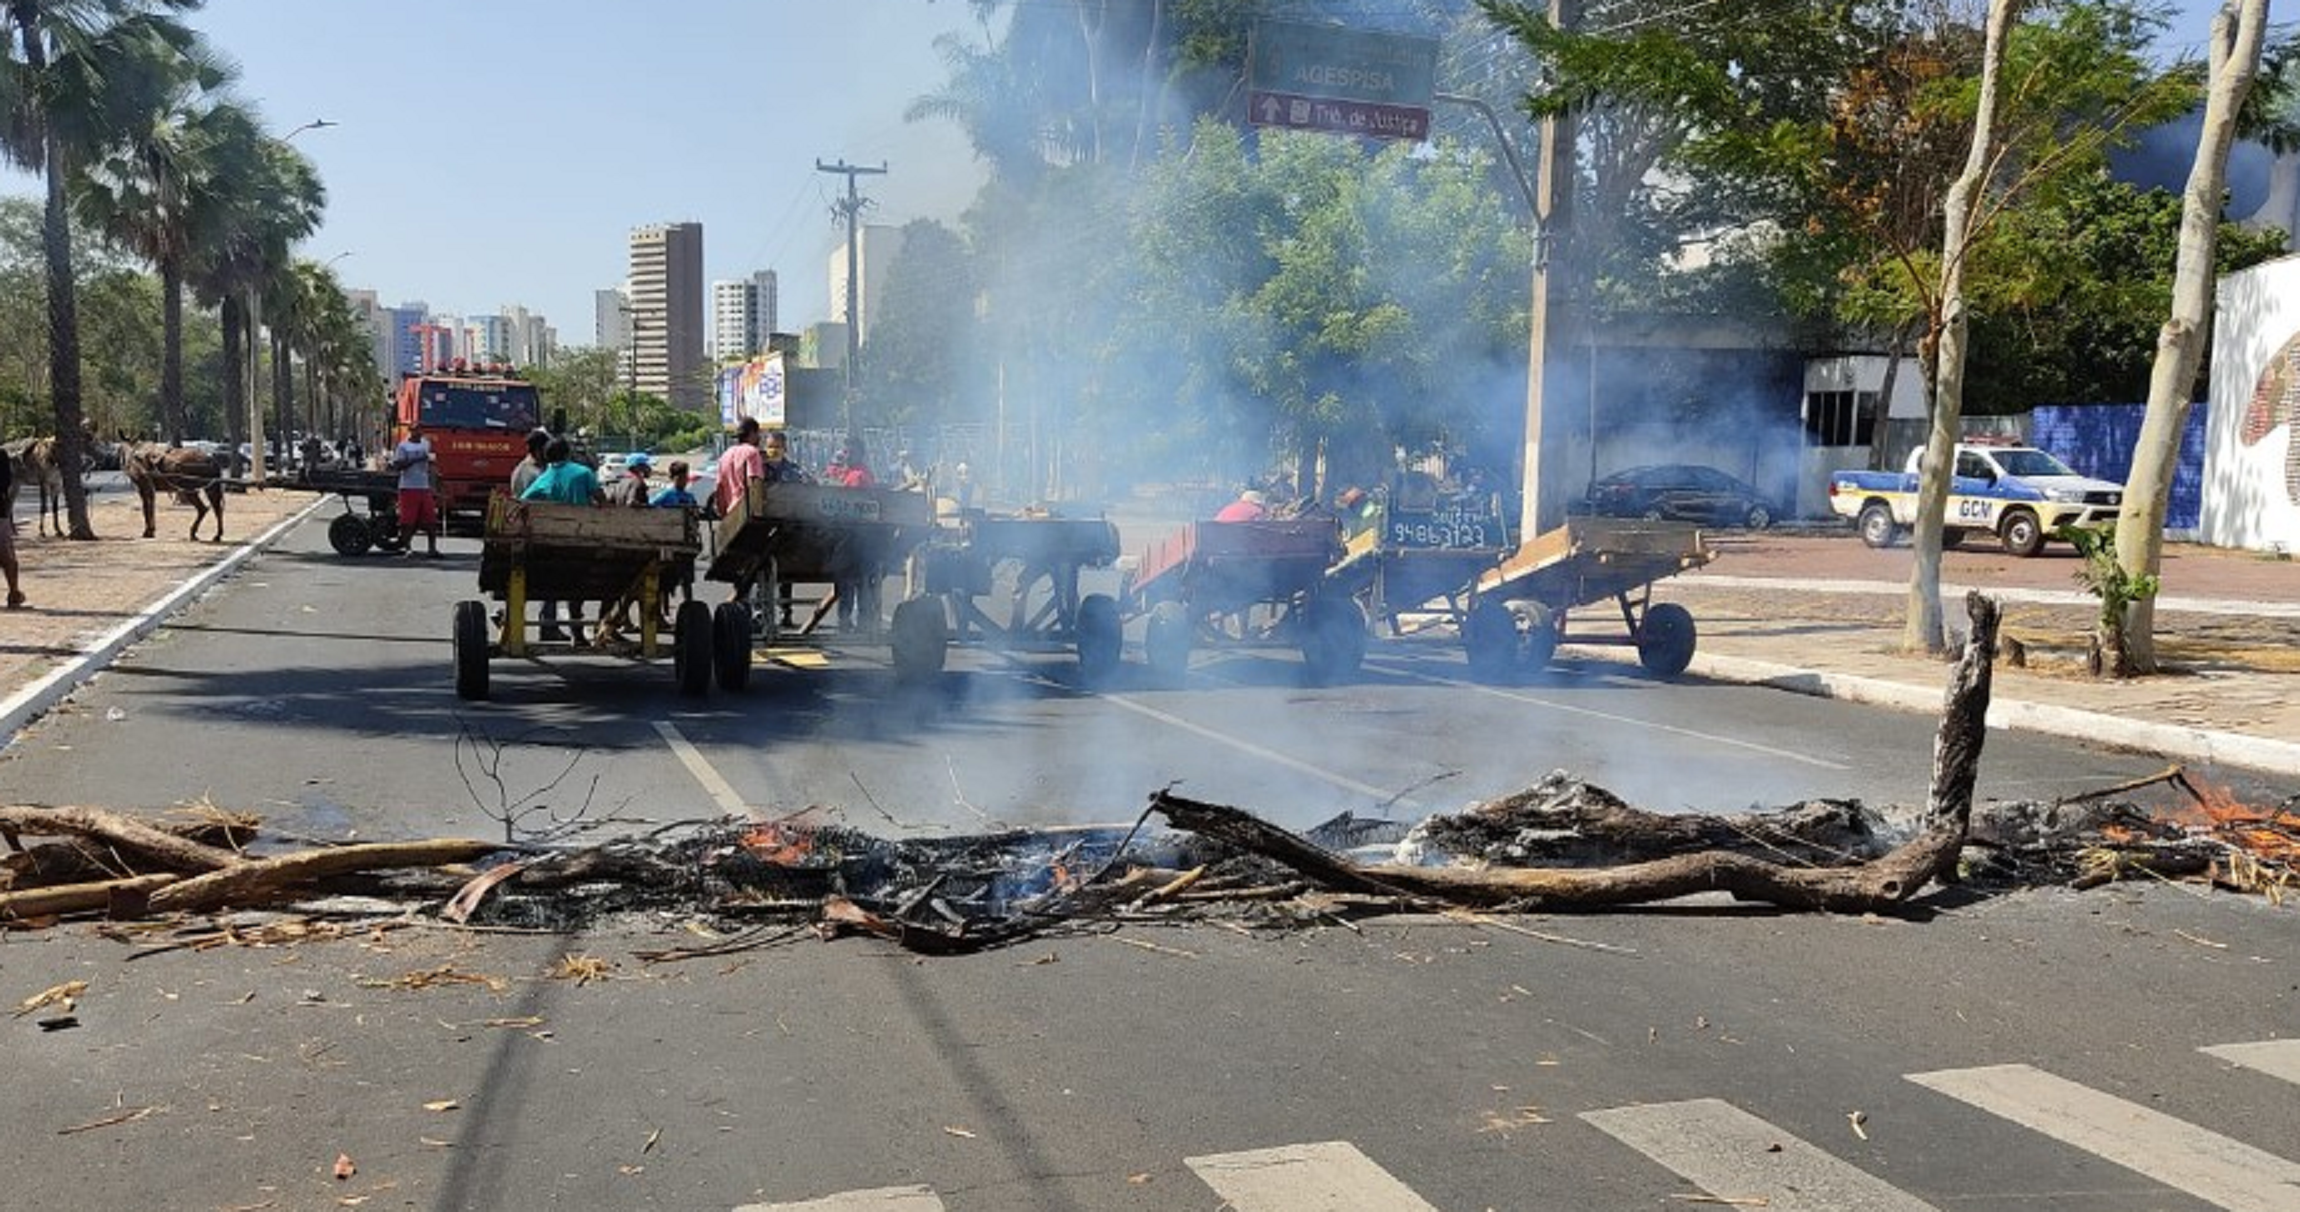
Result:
[
  {"x": 349, "y": 535},
  {"x": 1758, "y": 518},
  {"x": 1101, "y": 638},
  {"x": 2021, "y": 534},
  {"x": 731, "y": 645},
  {"x": 1666, "y": 640},
  {"x": 1334, "y": 643},
  {"x": 691, "y": 649},
  {"x": 1166, "y": 641},
  {"x": 921, "y": 639},
  {"x": 472, "y": 650},
  {"x": 1540, "y": 646},
  {"x": 1489, "y": 636},
  {"x": 1877, "y": 526},
  {"x": 1951, "y": 536}
]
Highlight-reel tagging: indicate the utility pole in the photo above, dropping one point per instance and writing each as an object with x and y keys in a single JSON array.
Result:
[
  {"x": 849, "y": 209},
  {"x": 1542, "y": 509}
]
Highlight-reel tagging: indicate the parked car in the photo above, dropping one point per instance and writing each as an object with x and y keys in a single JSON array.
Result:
[{"x": 1682, "y": 492}]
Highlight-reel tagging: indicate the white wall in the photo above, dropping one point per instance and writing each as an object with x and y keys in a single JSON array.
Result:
[
  {"x": 1866, "y": 372},
  {"x": 2251, "y": 460}
]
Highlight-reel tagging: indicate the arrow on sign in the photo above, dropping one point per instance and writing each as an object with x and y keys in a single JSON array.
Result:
[{"x": 1271, "y": 109}]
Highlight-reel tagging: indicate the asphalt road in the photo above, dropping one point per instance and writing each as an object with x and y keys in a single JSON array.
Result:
[{"x": 1620, "y": 1061}]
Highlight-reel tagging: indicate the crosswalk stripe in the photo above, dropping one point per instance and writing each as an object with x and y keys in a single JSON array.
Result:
[
  {"x": 1731, "y": 1154},
  {"x": 1328, "y": 1177},
  {"x": 884, "y": 1199},
  {"x": 2222, "y": 1172},
  {"x": 2276, "y": 1057}
]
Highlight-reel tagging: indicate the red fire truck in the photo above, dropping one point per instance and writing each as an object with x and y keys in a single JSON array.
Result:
[{"x": 477, "y": 421}]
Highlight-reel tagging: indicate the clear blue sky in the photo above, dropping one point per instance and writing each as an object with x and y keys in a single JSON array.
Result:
[
  {"x": 491, "y": 152},
  {"x": 499, "y": 151}
]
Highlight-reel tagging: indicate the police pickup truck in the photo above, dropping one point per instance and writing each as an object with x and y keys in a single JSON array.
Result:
[{"x": 2019, "y": 493}]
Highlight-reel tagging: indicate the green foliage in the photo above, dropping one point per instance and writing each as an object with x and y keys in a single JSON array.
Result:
[
  {"x": 921, "y": 364},
  {"x": 2105, "y": 577}
]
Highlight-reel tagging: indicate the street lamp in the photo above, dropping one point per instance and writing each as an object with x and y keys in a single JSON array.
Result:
[
  {"x": 330, "y": 262},
  {"x": 314, "y": 124}
]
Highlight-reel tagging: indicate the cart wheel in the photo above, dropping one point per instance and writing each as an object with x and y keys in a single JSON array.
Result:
[
  {"x": 1489, "y": 632},
  {"x": 731, "y": 645},
  {"x": 1336, "y": 643},
  {"x": 349, "y": 535},
  {"x": 1166, "y": 641},
  {"x": 691, "y": 649},
  {"x": 1100, "y": 638},
  {"x": 471, "y": 650},
  {"x": 921, "y": 639},
  {"x": 1540, "y": 644},
  {"x": 1665, "y": 642}
]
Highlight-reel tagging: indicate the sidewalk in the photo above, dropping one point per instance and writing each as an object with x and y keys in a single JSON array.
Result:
[{"x": 1814, "y": 614}]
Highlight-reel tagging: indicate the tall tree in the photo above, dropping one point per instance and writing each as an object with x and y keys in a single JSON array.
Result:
[
  {"x": 144, "y": 194},
  {"x": 1967, "y": 199},
  {"x": 2237, "y": 35},
  {"x": 75, "y": 76}
]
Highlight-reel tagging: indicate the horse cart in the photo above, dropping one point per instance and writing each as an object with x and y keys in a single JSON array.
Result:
[
  {"x": 1521, "y": 605},
  {"x": 546, "y": 551},
  {"x": 786, "y": 533},
  {"x": 1235, "y": 583},
  {"x": 968, "y": 564},
  {"x": 370, "y": 517},
  {"x": 1417, "y": 553}
]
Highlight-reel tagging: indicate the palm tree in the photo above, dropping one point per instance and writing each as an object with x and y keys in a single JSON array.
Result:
[
  {"x": 73, "y": 73},
  {"x": 145, "y": 195}
]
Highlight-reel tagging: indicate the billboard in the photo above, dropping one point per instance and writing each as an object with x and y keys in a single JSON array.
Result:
[{"x": 758, "y": 388}]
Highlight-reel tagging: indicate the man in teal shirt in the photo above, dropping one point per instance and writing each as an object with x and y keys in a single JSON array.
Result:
[{"x": 563, "y": 479}]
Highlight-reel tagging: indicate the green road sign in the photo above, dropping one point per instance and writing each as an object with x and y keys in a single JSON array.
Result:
[{"x": 1335, "y": 63}]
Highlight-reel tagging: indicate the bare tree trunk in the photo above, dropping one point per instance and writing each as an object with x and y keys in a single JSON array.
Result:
[
  {"x": 172, "y": 348},
  {"x": 1924, "y": 631},
  {"x": 235, "y": 375},
  {"x": 63, "y": 301},
  {"x": 2237, "y": 34}
]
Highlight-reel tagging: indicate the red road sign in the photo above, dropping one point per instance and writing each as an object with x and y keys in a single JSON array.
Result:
[{"x": 1367, "y": 118}]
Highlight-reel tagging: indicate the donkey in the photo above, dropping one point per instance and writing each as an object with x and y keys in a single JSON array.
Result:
[
  {"x": 186, "y": 473},
  {"x": 36, "y": 461}
]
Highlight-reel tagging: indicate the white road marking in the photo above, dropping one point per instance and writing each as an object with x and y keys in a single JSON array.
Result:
[
  {"x": 1268, "y": 755},
  {"x": 721, "y": 791},
  {"x": 2222, "y": 1172},
  {"x": 2276, "y": 1057},
  {"x": 1328, "y": 1177},
  {"x": 884, "y": 1199},
  {"x": 1734, "y": 1155},
  {"x": 1610, "y": 718}
]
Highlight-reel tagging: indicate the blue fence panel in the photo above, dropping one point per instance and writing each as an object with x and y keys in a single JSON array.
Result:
[{"x": 2097, "y": 439}]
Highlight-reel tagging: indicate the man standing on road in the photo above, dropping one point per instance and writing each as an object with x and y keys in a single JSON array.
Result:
[
  {"x": 8, "y": 531},
  {"x": 418, "y": 505},
  {"x": 632, "y": 490},
  {"x": 738, "y": 467},
  {"x": 568, "y": 482}
]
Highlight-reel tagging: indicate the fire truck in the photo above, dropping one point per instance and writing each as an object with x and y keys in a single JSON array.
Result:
[{"x": 477, "y": 419}]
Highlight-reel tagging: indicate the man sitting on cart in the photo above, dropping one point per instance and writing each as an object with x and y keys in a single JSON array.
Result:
[
  {"x": 569, "y": 483},
  {"x": 1251, "y": 506}
]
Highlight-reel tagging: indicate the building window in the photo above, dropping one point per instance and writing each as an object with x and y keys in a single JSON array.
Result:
[{"x": 1840, "y": 418}]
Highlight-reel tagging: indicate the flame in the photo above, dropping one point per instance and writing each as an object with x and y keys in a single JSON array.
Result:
[
  {"x": 2269, "y": 834},
  {"x": 779, "y": 844}
]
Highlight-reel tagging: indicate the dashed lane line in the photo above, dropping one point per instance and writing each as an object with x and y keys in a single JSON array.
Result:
[
  {"x": 722, "y": 792},
  {"x": 1328, "y": 1177}
]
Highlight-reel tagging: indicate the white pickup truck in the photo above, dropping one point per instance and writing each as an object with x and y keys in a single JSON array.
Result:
[{"x": 2019, "y": 493}]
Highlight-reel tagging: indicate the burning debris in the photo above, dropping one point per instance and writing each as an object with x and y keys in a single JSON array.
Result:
[{"x": 1560, "y": 845}]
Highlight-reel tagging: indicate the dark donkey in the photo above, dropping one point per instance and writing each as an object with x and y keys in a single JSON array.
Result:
[
  {"x": 187, "y": 473},
  {"x": 36, "y": 462}
]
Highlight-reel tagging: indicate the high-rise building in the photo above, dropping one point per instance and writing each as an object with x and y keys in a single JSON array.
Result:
[
  {"x": 486, "y": 340},
  {"x": 667, "y": 314},
  {"x": 742, "y": 315},
  {"x": 612, "y": 320},
  {"x": 529, "y": 342},
  {"x": 876, "y": 247}
]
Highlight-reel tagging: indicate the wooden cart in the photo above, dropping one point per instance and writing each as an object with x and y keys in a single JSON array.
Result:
[
  {"x": 1521, "y": 605},
  {"x": 1243, "y": 582},
  {"x": 370, "y": 517},
  {"x": 783, "y": 534},
  {"x": 1420, "y": 553},
  {"x": 1043, "y": 607},
  {"x": 536, "y": 551}
]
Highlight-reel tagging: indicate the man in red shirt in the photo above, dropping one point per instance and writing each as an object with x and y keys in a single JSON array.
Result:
[{"x": 1250, "y": 506}]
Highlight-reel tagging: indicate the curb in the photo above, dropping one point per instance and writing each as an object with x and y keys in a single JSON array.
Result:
[
  {"x": 2171, "y": 740},
  {"x": 24, "y": 706}
]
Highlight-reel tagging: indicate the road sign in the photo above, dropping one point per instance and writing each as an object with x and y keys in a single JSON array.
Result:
[{"x": 1332, "y": 78}]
